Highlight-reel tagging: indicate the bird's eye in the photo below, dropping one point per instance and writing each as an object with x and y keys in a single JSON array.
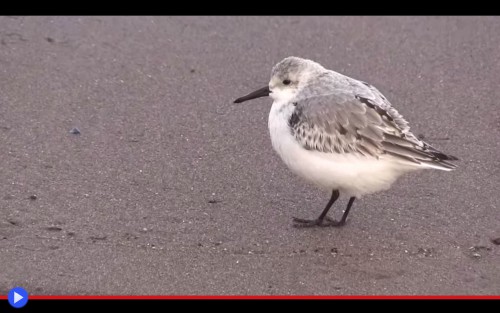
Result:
[{"x": 286, "y": 82}]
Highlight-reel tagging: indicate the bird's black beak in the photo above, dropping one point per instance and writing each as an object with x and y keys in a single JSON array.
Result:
[{"x": 262, "y": 92}]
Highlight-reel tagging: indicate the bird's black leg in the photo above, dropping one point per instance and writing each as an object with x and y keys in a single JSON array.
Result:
[
  {"x": 323, "y": 220},
  {"x": 320, "y": 221},
  {"x": 346, "y": 212},
  {"x": 334, "y": 223}
]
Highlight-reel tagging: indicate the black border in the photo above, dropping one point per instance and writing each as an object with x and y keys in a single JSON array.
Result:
[{"x": 204, "y": 305}]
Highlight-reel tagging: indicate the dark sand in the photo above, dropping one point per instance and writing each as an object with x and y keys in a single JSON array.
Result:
[{"x": 170, "y": 188}]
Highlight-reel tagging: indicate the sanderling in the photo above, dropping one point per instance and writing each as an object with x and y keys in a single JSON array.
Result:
[{"x": 340, "y": 133}]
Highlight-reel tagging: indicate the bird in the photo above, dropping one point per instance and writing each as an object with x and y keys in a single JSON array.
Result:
[{"x": 340, "y": 134}]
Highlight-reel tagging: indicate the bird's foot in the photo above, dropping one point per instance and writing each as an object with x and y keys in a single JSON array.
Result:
[{"x": 325, "y": 222}]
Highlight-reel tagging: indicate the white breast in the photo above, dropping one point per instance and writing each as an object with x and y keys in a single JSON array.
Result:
[{"x": 352, "y": 175}]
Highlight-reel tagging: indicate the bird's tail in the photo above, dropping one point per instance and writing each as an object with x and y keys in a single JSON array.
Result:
[
  {"x": 422, "y": 155},
  {"x": 439, "y": 160}
]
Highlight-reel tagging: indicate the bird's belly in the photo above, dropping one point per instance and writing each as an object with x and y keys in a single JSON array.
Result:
[{"x": 353, "y": 175}]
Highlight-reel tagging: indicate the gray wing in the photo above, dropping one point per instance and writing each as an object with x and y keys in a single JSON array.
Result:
[{"x": 359, "y": 119}]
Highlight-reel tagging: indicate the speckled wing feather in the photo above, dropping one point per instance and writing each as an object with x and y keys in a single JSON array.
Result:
[{"x": 354, "y": 117}]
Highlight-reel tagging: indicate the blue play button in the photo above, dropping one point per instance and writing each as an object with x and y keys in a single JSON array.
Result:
[{"x": 18, "y": 297}]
